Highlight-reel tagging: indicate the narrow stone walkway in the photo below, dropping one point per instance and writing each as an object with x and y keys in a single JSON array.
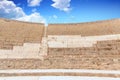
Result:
[{"x": 61, "y": 72}]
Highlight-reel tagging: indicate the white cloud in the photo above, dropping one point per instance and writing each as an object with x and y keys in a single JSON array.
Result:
[
  {"x": 9, "y": 10},
  {"x": 34, "y": 3},
  {"x": 63, "y": 5},
  {"x": 34, "y": 17}
]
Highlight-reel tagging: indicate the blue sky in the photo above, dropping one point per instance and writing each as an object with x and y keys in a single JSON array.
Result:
[{"x": 60, "y": 11}]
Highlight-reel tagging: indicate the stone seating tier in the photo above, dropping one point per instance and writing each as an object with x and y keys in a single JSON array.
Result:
[
  {"x": 83, "y": 51},
  {"x": 15, "y": 33},
  {"x": 62, "y": 63},
  {"x": 86, "y": 29}
]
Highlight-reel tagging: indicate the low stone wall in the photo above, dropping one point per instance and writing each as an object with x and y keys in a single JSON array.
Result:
[
  {"x": 28, "y": 50},
  {"x": 78, "y": 41}
]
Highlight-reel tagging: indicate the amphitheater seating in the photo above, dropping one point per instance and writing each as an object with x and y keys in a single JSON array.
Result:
[
  {"x": 86, "y": 29},
  {"x": 111, "y": 47},
  {"x": 68, "y": 58},
  {"x": 105, "y": 53},
  {"x": 68, "y": 46},
  {"x": 15, "y": 33}
]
